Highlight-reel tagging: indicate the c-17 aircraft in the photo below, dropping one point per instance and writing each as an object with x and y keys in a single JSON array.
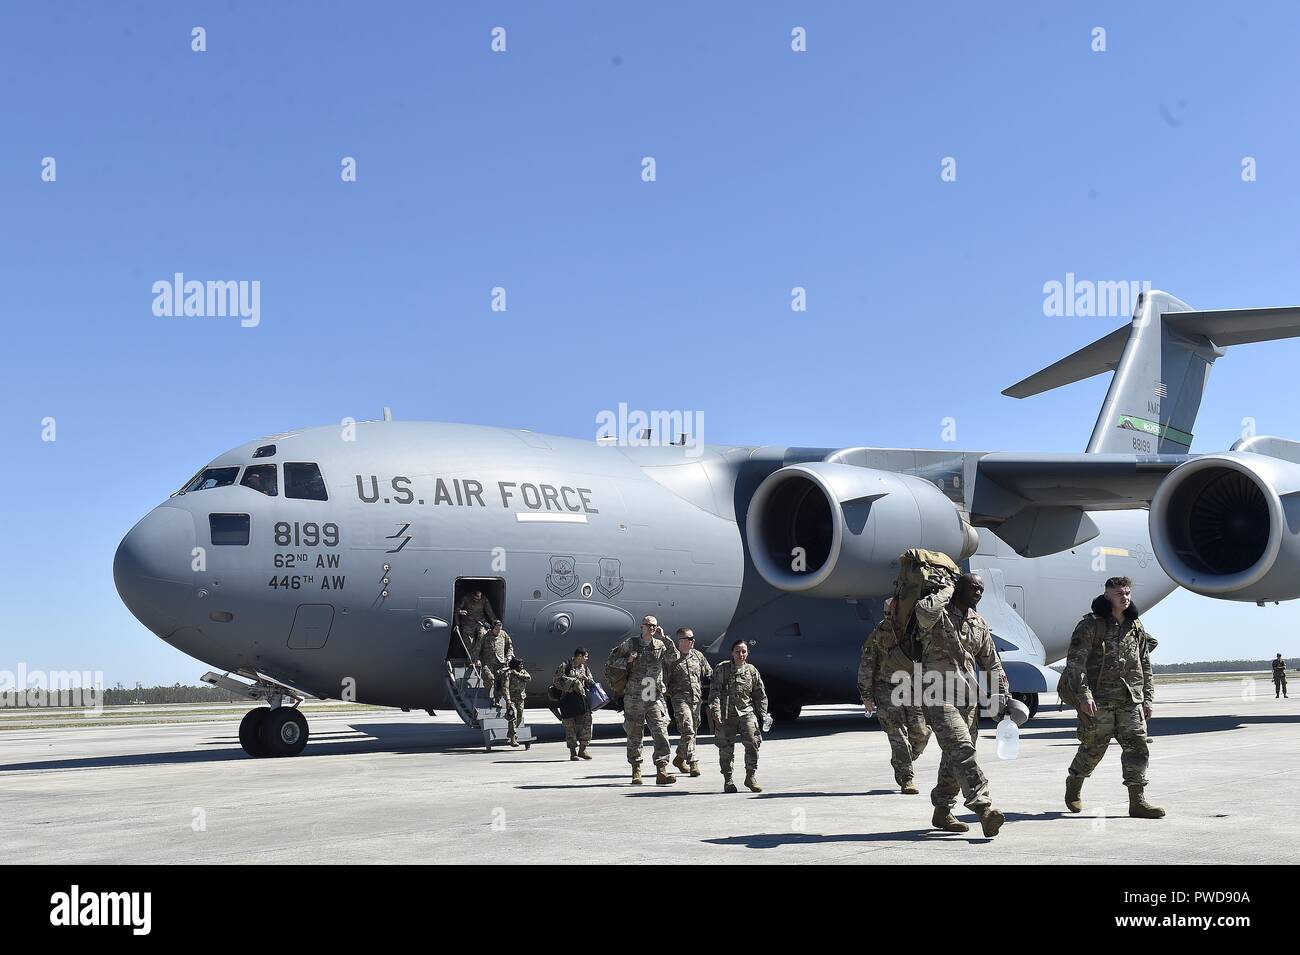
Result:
[{"x": 329, "y": 562}]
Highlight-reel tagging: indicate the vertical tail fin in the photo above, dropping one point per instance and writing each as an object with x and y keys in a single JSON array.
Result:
[
  {"x": 1156, "y": 391},
  {"x": 1161, "y": 361}
]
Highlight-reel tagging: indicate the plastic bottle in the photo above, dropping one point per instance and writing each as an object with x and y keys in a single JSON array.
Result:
[{"x": 1008, "y": 739}]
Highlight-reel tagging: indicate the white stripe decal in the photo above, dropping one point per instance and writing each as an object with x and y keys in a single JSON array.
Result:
[{"x": 527, "y": 517}]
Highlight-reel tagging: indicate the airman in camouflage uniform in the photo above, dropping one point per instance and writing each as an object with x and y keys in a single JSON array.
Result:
[
  {"x": 685, "y": 692},
  {"x": 738, "y": 708},
  {"x": 1108, "y": 671},
  {"x": 1279, "y": 676},
  {"x": 884, "y": 671},
  {"x": 646, "y": 657},
  {"x": 957, "y": 641},
  {"x": 514, "y": 688},
  {"x": 575, "y": 677},
  {"x": 493, "y": 651},
  {"x": 474, "y": 615}
]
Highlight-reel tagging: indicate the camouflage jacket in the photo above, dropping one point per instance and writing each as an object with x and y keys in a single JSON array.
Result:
[
  {"x": 480, "y": 609},
  {"x": 686, "y": 677},
  {"x": 514, "y": 683},
  {"x": 957, "y": 644},
  {"x": 882, "y": 657},
  {"x": 494, "y": 651},
  {"x": 1109, "y": 661},
  {"x": 571, "y": 679},
  {"x": 737, "y": 691},
  {"x": 1279, "y": 668},
  {"x": 652, "y": 662}
]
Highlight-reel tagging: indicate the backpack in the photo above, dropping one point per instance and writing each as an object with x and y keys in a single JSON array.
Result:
[
  {"x": 920, "y": 573},
  {"x": 616, "y": 673}
]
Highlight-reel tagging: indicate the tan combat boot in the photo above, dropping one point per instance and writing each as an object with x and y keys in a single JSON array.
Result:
[
  {"x": 681, "y": 764},
  {"x": 582, "y": 752},
  {"x": 636, "y": 775},
  {"x": 728, "y": 786},
  {"x": 991, "y": 821},
  {"x": 944, "y": 819},
  {"x": 514, "y": 741},
  {"x": 1139, "y": 808},
  {"x": 909, "y": 788},
  {"x": 663, "y": 777},
  {"x": 751, "y": 783},
  {"x": 1074, "y": 793},
  {"x": 695, "y": 768}
]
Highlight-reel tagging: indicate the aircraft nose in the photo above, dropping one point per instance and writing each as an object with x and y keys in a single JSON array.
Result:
[{"x": 153, "y": 568}]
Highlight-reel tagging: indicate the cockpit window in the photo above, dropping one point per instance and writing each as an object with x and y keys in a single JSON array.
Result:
[
  {"x": 265, "y": 451},
  {"x": 228, "y": 529},
  {"x": 261, "y": 478},
  {"x": 304, "y": 481},
  {"x": 210, "y": 478}
]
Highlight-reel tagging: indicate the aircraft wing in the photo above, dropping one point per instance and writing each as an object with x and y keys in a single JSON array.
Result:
[{"x": 1038, "y": 503}]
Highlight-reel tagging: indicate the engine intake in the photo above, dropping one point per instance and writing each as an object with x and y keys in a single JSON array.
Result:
[
  {"x": 1228, "y": 525},
  {"x": 834, "y": 530}
]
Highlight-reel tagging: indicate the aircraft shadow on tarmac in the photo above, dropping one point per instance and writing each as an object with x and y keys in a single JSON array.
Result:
[
  {"x": 770, "y": 840},
  {"x": 1159, "y": 726},
  {"x": 455, "y": 740}
]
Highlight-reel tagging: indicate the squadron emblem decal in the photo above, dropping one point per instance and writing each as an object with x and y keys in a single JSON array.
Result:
[
  {"x": 610, "y": 581},
  {"x": 563, "y": 578}
]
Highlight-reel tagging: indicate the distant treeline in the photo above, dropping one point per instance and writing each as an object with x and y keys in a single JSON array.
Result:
[
  {"x": 176, "y": 693},
  {"x": 68, "y": 694},
  {"x": 1222, "y": 666}
]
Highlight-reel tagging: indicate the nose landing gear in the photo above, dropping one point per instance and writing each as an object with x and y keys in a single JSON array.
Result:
[{"x": 275, "y": 730}]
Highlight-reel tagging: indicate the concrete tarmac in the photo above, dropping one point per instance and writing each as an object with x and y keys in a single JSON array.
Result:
[{"x": 383, "y": 786}]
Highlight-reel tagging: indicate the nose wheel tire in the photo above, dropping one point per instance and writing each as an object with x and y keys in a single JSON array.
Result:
[
  {"x": 250, "y": 732},
  {"x": 283, "y": 732}
]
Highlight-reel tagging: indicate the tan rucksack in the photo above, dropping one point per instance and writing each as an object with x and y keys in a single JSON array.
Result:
[
  {"x": 920, "y": 573},
  {"x": 616, "y": 673}
]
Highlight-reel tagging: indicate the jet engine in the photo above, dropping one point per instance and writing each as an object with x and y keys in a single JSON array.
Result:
[
  {"x": 834, "y": 530},
  {"x": 1228, "y": 525}
]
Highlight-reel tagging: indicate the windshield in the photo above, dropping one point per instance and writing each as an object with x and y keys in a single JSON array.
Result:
[{"x": 211, "y": 477}]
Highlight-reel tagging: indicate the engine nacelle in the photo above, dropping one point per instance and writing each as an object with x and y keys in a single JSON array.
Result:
[
  {"x": 1228, "y": 525},
  {"x": 851, "y": 523}
]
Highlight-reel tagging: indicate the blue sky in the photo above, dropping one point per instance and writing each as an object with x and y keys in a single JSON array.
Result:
[{"x": 523, "y": 170}]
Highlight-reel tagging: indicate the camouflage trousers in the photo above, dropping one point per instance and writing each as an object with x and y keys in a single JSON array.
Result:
[
  {"x": 636, "y": 714},
  {"x": 1123, "y": 722},
  {"x": 515, "y": 712},
  {"x": 687, "y": 715},
  {"x": 577, "y": 730},
  {"x": 488, "y": 673},
  {"x": 957, "y": 728},
  {"x": 725, "y": 734},
  {"x": 1279, "y": 684},
  {"x": 907, "y": 732}
]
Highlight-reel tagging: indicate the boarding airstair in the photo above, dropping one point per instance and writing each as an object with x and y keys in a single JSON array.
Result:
[{"x": 475, "y": 707}]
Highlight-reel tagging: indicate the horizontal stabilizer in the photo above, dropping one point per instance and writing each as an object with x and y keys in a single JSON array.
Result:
[
  {"x": 1101, "y": 356},
  {"x": 1238, "y": 326},
  {"x": 1160, "y": 363},
  {"x": 1223, "y": 327}
]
